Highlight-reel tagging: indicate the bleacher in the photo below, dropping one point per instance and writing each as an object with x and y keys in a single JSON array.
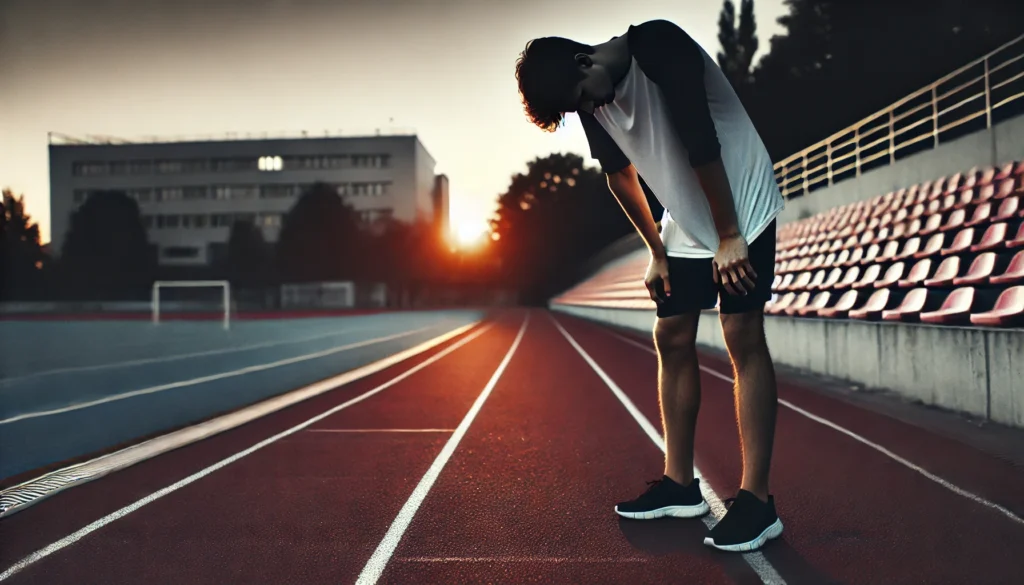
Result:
[{"x": 949, "y": 251}]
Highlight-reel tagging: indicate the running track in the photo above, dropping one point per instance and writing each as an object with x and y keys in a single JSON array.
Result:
[{"x": 497, "y": 457}]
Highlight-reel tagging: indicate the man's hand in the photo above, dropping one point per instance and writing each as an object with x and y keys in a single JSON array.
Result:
[
  {"x": 732, "y": 266},
  {"x": 656, "y": 279}
]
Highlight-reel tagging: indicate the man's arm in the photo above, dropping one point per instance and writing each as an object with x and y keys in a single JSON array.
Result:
[{"x": 625, "y": 186}]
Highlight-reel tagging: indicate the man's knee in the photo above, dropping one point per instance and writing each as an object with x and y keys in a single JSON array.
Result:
[
  {"x": 676, "y": 335},
  {"x": 744, "y": 334}
]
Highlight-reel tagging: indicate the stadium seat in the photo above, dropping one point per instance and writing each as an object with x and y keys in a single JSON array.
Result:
[
  {"x": 1008, "y": 310},
  {"x": 786, "y": 281},
  {"x": 842, "y": 258},
  {"x": 780, "y": 304},
  {"x": 855, "y": 257},
  {"x": 801, "y": 281},
  {"x": 842, "y": 307},
  {"x": 910, "y": 309},
  {"x": 994, "y": 238},
  {"x": 892, "y": 276},
  {"x": 901, "y": 215},
  {"x": 956, "y": 309},
  {"x": 955, "y": 221},
  {"x": 818, "y": 262},
  {"x": 867, "y": 280},
  {"x": 849, "y": 278},
  {"x": 931, "y": 225},
  {"x": 820, "y": 301},
  {"x": 889, "y": 252},
  {"x": 833, "y": 279},
  {"x": 961, "y": 243},
  {"x": 777, "y": 282},
  {"x": 1008, "y": 209},
  {"x": 1018, "y": 240},
  {"x": 1014, "y": 273},
  {"x": 899, "y": 231},
  {"x": 917, "y": 211},
  {"x": 918, "y": 274},
  {"x": 872, "y": 309},
  {"x": 830, "y": 260},
  {"x": 987, "y": 176},
  {"x": 1005, "y": 189},
  {"x": 932, "y": 248},
  {"x": 982, "y": 214},
  {"x": 798, "y": 303},
  {"x": 944, "y": 275},
  {"x": 948, "y": 203},
  {"x": 979, "y": 272},
  {"x": 818, "y": 280},
  {"x": 870, "y": 255}
]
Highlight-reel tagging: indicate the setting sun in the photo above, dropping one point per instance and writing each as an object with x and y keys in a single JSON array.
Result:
[{"x": 469, "y": 232}]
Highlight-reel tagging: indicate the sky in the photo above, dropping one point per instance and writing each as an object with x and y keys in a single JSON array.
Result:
[{"x": 444, "y": 69}]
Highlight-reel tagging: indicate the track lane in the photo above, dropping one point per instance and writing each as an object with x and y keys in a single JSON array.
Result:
[
  {"x": 68, "y": 512},
  {"x": 852, "y": 515},
  {"x": 528, "y": 497}
]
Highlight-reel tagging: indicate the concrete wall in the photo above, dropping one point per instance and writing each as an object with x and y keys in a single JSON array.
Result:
[
  {"x": 970, "y": 370},
  {"x": 1002, "y": 143}
]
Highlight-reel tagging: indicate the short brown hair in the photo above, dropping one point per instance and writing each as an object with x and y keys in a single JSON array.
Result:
[{"x": 546, "y": 72}]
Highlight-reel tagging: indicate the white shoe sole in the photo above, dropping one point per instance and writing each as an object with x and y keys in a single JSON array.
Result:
[
  {"x": 671, "y": 511},
  {"x": 773, "y": 531}
]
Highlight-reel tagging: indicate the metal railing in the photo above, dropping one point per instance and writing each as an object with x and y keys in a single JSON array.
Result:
[
  {"x": 923, "y": 118},
  {"x": 58, "y": 138}
]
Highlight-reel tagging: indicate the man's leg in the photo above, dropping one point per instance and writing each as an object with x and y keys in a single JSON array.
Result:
[
  {"x": 755, "y": 396},
  {"x": 678, "y": 391}
]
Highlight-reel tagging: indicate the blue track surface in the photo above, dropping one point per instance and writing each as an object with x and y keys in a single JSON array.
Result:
[{"x": 58, "y": 365}]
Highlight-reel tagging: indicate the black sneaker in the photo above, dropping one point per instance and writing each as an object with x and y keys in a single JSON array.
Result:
[
  {"x": 665, "y": 497},
  {"x": 747, "y": 525}
]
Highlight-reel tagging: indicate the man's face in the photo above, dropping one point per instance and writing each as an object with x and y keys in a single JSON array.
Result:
[{"x": 595, "y": 89}]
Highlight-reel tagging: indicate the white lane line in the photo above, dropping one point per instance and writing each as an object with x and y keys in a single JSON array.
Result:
[
  {"x": 909, "y": 464},
  {"x": 756, "y": 560},
  {"x": 381, "y": 430},
  {"x": 522, "y": 559},
  {"x": 80, "y": 534},
  {"x": 375, "y": 566},
  {"x": 210, "y": 378},
  {"x": 182, "y": 356}
]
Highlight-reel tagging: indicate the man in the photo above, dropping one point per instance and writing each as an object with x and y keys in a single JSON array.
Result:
[{"x": 654, "y": 104}]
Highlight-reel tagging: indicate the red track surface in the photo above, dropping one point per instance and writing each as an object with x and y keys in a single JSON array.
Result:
[{"x": 527, "y": 495}]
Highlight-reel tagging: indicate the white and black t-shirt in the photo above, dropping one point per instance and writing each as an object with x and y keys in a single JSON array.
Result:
[{"x": 675, "y": 110}]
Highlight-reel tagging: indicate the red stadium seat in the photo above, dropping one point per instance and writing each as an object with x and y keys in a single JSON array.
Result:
[
  {"x": 870, "y": 255},
  {"x": 851, "y": 242},
  {"x": 955, "y": 310},
  {"x": 780, "y": 304},
  {"x": 872, "y": 309},
  {"x": 832, "y": 279},
  {"x": 899, "y": 231},
  {"x": 914, "y": 229},
  {"x": 842, "y": 307},
  {"x": 932, "y": 248},
  {"x": 911, "y": 307},
  {"x": 955, "y": 221},
  {"x": 917, "y": 211},
  {"x": 866, "y": 238},
  {"x": 882, "y": 235},
  {"x": 786, "y": 281},
  {"x": 892, "y": 276},
  {"x": 987, "y": 176},
  {"x": 1005, "y": 189},
  {"x": 801, "y": 282},
  {"x": 867, "y": 280},
  {"x": 1018, "y": 240},
  {"x": 820, "y": 301},
  {"x": 982, "y": 214},
  {"x": 1008, "y": 209},
  {"x": 931, "y": 225},
  {"x": 818, "y": 280},
  {"x": 855, "y": 257},
  {"x": 842, "y": 258},
  {"x": 944, "y": 275},
  {"x": 1014, "y": 273},
  {"x": 1008, "y": 310},
  {"x": 777, "y": 282},
  {"x": 849, "y": 279},
  {"x": 818, "y": 262},
  {"x": 829, "y": 260},
  {"x": 961, "y": 243},
  {"x": 1005, "y": 172},
  {"x": 918, "y": 274},
  {"x": 979, "y": 272},
  {"x": 994, "y": 238},
  {"x": 800, "y": 302},
  {"x": 889, "y": 252},
  {"x": 948, "y": 203},
  {"x": 901, "y": 215}
]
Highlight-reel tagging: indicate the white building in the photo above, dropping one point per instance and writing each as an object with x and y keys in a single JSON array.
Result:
[{"x": 190, "y": 192}]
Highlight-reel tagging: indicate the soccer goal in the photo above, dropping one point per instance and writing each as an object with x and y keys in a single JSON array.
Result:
[{"x": 170, "y": 284}]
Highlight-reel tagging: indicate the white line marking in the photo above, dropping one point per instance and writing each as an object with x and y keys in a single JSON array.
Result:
[
  {"x": 80, "y": 534},
  {"x": 182, "y": 356},
  {"x": 379, "y": 559},
  {"x": 756, "y": 560},
  {"x": 951, "y": 487},
  {"x": 381, "y": 430},
  {"x": 210, "y": 378},
  {"x": 522, "y": 559}
]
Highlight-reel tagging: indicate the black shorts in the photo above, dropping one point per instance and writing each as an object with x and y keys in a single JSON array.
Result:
[{"x": 693, "y": 281}]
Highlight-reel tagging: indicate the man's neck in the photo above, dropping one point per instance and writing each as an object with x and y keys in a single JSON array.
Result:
[{"x": 614, "y": 55}]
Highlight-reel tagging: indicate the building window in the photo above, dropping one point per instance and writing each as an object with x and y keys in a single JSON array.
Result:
[
  {"x": 90, "y": 169},
  {"x": 141, "y": 167},
  {"x": 169, "y": 166},
  {"x": 270, "y": 163},
  {"x": 195, "y": 165},
  {"x": 269, "y": 220},
  {"x": 170, "y": 194},
  {"x": 220, "y": 220},
  {"x": 180, "y": 252},
  {"x": 198, "y": 221},
  {"x": 172, "y": 221},
  {"x": 235, "y": 164},
  {"x": 120, "y": 168},
  {"x": 194, "y": 193},
  {"x": 278, "y": 191}
]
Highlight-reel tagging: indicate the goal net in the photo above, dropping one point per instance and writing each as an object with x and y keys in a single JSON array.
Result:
[{"x": 192, "y": 296}]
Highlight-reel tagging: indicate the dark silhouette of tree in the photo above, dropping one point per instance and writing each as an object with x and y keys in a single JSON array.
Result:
[
  {"x": 21, "y": 253},
  {"x": 321, "y": 238},
  {"x": 550, "y": 220},
  {"x": 106, "y": 254},
  {"x": 738, "y": 46},
  {"x": 248, "y": 256},
  {"x": 840, "y": 61}
]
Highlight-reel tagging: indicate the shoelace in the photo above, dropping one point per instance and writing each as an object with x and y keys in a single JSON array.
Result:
[{"x": 653, "y": 484}]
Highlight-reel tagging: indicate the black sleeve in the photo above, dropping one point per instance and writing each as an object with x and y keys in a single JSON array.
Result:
[
  {"x": 602, "y": 147},
  {"x": 675, "y": 63}
]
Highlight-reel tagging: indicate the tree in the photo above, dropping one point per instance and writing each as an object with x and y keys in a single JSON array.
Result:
[
  {"x": 738, "y": 46},
  {"x": 20, "y": 250},
  {"x": 320, "y": 238},
  {"x": 106, "y": 254},
  {"x": 248, "y": 258},
  {"x": 550, "y": 220}
]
